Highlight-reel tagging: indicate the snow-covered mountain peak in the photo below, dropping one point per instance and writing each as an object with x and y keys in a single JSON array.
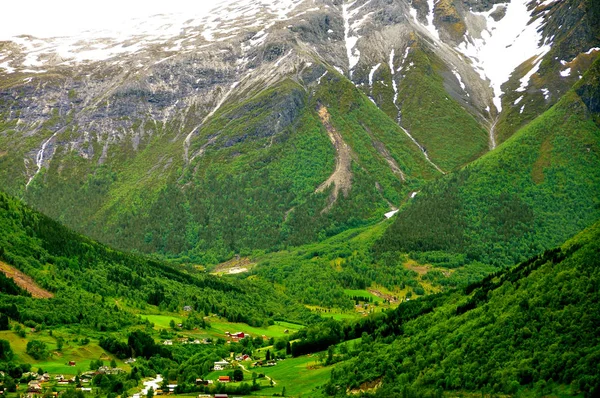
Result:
[{"x": 180, "y": 27}]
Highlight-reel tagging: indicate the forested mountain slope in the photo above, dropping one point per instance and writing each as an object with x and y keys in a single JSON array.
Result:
[
  {"x": 82, "y": 275},
  {"x": 256, "y": 125},
  {"x": 535, "y": 190},
  {"x": 533, "y": 326}
]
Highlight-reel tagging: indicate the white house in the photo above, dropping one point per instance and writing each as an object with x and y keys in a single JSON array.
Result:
[{"x": 220, "y": 365}]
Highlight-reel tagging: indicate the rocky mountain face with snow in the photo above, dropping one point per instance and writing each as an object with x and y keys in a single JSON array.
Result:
[{"x": 269, "y": 122}]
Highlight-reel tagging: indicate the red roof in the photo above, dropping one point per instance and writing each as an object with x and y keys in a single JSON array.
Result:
[{"x": 223, "y": 378}]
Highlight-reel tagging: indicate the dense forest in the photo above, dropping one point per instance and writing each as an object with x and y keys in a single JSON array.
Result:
[
  {"x": 533, "y": 325},
  {"x": 80, "y": 272},
  {"x": 533, "y": 192}
]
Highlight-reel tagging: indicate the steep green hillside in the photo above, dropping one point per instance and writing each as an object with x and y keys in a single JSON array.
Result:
[
  {"x": 85, "y": 278},
  {"x": 531, "y": 327},
  {"x": 535, "y": 190},
  {"x": 341, "y": 271},
  {"x": 451, "y": 136},
  {"x": 252, "y": 179}
]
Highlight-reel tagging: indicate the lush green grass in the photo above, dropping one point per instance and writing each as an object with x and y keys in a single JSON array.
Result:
[
  {"x": 219, "y": 327},
  {"x": 57, "y": 361},
  {"x": 363, "y": 293},
  {"x": 300, "y": 376},
  {"x": 216, "y": 327},
  {"x": 162, "y": 321}
]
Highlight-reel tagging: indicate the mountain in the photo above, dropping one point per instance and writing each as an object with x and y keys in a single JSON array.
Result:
[
  {"x": 76, "y": 280},
  {"x": 263, "y": 124},
  {"x": 523, "y": 331},
  {"x": 534, "y": 191}
]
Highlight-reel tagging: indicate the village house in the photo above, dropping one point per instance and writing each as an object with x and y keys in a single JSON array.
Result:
[
  {"x": 187, "y": 308},
  {"x": 237, "y": 335},
  {"x": 221, "y": 365},
  {"x": 72, "y": 363},
  {"x": 172, "y": 387},
  {"x": 224, "y": 379},
  {"x": 167, "y": 342},
  {"x": 34, "y": 387},
  {"x": 130, "y": 360}
]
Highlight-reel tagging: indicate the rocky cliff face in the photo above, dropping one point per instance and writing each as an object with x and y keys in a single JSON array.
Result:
[{"x": 122, "y": 120}]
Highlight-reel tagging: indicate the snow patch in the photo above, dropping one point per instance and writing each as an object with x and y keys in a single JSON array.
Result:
[
  {"x": 389, "y": 214},
  {"x": 282, "y": 58},
  {"x": 462, "y": 85},
  {"x": 546, "y": 93},
  {"x": 373, "y": 70},
  {"x": 7, "y": 67},
  {"x": 566, "y": 72},
  {"x": 322, "y": 76},
  {"x": 391, "y": 61},
  {"x": 525, "y": 79},
  {"x": 352, "y": 54},
  {"x": 394, "y": 85},
  {"x": 430, "y": 26},
  {"x": 504, "y": 45},
  {"x": 405, "y": 54}
]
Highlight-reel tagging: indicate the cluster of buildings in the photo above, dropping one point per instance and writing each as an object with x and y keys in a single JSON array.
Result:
[
  {"x": 237, "y": 336},
  {"x": 184, "y": 340},
  {"x": 36, "y": 384}
]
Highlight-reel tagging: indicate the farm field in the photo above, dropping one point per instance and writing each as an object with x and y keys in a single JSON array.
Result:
[
  {"x": 162, "y": 321},
  {"x": 58, "y": 361},
  {"x": 300, "y": 376},
  {"x": 218, "y": 327},
  {"x": 363, "y": 293}
]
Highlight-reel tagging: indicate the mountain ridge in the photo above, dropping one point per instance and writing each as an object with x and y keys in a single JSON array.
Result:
[{"x": 123, "y": 130}]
